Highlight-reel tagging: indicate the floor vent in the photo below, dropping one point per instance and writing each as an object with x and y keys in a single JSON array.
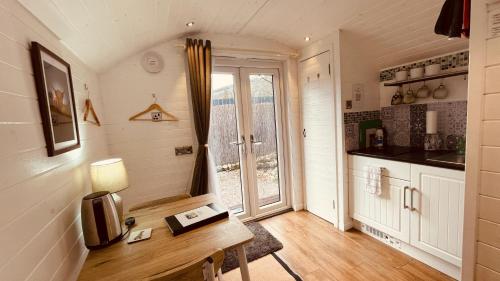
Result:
[{"x": 382, "y": 236}]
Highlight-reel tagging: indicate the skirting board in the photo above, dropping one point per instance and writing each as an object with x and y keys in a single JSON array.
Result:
[
  {"x": 298, "y": 207},
  {"x": 74, "y": 275},
  {"x": 432, "y": 261}
]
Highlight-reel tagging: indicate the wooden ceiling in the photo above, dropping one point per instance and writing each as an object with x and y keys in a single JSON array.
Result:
[
  {"x": 397, "y": 32},
  {"x": 102, "y": 32}
]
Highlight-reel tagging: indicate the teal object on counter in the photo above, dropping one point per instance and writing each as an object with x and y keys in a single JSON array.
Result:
[{"x": 366, "y": 125}]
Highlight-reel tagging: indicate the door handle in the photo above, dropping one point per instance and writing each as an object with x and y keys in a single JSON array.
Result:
[
  {"x": 239, "y": 143},
  {"x": 404, "y": 197},
  {"x": 411, "y": 199},
  {"x": 242, "y": 142},
  {"x": 254, "y": 142}
]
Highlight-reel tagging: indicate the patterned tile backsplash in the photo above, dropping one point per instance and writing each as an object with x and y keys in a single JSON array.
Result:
[
  {"x": 405, "y": 125},
  {"x": 356, "y": 117},
  {"x": 452, "y": 61},
  {"x": 351, "y": 121}
]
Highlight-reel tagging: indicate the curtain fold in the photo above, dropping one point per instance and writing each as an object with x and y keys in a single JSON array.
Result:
[{"x": 199, "y": 57}]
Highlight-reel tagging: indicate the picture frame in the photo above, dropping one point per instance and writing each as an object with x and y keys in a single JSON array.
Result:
[{"x": 56, "y": 99}]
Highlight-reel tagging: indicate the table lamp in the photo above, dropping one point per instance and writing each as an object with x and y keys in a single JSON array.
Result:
[{"x": 110, "y": 175}]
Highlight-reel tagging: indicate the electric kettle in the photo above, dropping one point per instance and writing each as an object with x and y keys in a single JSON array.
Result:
[{"x": 100, "y": 222}]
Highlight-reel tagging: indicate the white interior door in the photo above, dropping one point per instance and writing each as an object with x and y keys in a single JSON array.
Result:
[
  {"x": 317, "y": 104},
  {"x": 246, "y": 139}
]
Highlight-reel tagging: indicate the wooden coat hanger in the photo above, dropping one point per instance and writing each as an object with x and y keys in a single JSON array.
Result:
[
  {"x": 89, "y": 108},
  {"x": 154, "y": 107}
]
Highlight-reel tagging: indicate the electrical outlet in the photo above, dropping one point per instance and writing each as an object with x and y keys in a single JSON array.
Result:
[{"x": 156, "y": 116}]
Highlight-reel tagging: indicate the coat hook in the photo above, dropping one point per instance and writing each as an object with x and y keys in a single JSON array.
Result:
[{"x": 86, "y": 87}]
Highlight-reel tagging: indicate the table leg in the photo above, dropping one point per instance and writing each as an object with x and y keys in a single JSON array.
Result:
[{"x": 242, "y": 258}]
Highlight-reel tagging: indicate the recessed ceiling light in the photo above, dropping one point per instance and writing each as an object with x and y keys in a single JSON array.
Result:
[
  {"x": 189, "y": 24},
  {"x": 307, "y": 38}
]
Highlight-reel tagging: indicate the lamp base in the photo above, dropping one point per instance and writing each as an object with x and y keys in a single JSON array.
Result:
[{"x": 119, "y": 205}]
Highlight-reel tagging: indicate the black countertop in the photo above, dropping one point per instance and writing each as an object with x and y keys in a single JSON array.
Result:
[{"x": 442, "y": 159}]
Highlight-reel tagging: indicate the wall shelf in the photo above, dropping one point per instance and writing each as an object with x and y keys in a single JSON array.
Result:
[{"x": 426, "y": 78}]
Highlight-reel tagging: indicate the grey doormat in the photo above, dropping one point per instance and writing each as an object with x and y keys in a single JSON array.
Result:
[{"x": 263, "y": 244}]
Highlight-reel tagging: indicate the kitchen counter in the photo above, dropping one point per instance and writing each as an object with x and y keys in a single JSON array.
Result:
[{"x": 442, "y": 159}]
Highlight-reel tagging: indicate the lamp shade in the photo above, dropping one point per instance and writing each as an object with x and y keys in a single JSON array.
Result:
[{"x": 108, "y": 175}]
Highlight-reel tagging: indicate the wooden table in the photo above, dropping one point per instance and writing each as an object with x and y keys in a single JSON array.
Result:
[{"x": 149, "y": 259}]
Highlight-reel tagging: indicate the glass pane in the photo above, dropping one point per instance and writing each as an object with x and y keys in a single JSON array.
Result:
[
  {"x": 222, "y": 141},
  {"x": 265, "y": 142}
]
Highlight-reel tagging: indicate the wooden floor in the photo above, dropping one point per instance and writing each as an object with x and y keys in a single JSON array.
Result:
[{"x": 317, "y": 251}]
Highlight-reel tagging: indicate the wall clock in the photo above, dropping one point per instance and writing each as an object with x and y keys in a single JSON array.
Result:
[{"x": 152, "y": 62}]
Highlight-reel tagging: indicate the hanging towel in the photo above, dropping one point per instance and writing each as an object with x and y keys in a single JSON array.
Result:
[
  {"x": 450, "y": 19},
  {"x": 373, "y": 180}
]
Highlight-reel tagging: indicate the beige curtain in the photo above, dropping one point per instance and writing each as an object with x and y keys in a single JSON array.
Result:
[{"x": 199, "y": 56}]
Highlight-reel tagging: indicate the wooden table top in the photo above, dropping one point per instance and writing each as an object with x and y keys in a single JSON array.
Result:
[{"x": 149, "y": 259}]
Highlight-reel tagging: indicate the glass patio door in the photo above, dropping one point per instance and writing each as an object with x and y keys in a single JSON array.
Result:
[{"x": 246, "y": 140}]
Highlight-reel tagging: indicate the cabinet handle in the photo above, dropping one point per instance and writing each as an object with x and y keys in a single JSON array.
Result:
[
  {"x": 404, "y": 196},
  {"x": 411, "y": 199}
]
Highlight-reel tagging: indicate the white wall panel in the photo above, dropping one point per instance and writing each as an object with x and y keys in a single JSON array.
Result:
[
  {"x": 489, "y": 184},
  {"x": 487, "y": 58},
  {"x": 492, "y": 83},
  {"x": 492, "y": 53},
  {"x": 488, "y": 256},
  {"x": 491, "y": 103},
  {"x": 148, "y": 148},
  {"x": 40, "y": 232},
  {"x": 491, "y": 133}
]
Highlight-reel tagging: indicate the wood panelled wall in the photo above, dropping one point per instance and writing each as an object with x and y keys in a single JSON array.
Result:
[
  {"x": 488, "y": 245},
  {"x": 148, "y": 148},
  {"x": 40, "y": 232}
]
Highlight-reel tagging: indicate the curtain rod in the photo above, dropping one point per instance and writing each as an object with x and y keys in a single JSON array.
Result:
[{"x": 279, "y": 54}]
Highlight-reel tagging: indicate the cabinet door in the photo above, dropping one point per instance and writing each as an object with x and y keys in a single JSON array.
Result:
[
  {"x": 386, "y": 212},
  {"x": 438, "y": 211}
]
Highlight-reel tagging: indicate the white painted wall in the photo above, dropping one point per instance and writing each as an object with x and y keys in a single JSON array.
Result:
[
  {"x": 358, "y": 67},
  {"x": 148, "y": 148},
  {"x": 40, "y": 232}
]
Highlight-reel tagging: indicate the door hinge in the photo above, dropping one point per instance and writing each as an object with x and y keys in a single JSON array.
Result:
[
  {"x": 329, "y": 70},
  {"x": 333, "y": 204}
]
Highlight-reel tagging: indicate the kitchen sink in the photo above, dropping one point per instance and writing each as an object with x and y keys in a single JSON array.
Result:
[{"x": 451, "y": 158}]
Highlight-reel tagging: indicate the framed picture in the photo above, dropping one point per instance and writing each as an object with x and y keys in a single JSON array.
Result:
[{"x": 56, "y": 100}]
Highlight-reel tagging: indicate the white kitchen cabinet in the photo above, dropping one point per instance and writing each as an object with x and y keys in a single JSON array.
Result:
[
  {"x": 422, "y": 206},
  {"x": 386, "y": 212},
  {"x": 437, "y": 211}
]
